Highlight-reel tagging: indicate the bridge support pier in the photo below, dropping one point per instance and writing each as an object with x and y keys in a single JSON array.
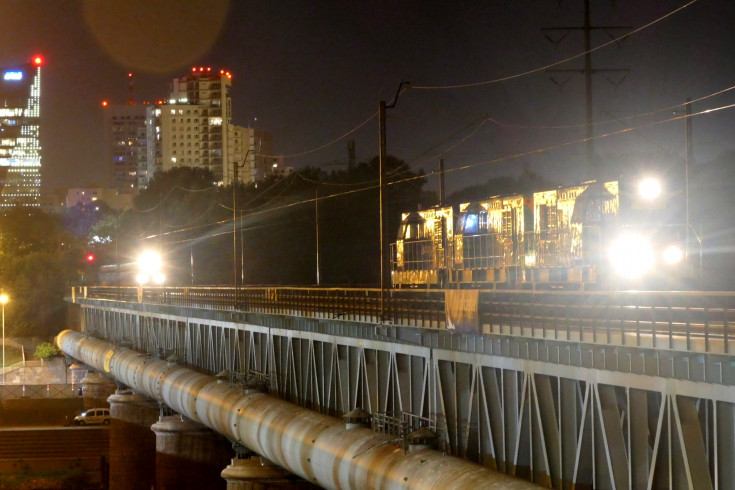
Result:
[
  {"x": 95, "y": 390},
  {"x": 258, "y": 473},
  {"x": 726, "y": 423},
  {"x": 188, "y": 455},
  {"x": 132, "y": 443}
]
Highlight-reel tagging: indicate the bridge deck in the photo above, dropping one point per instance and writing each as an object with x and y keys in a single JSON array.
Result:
[{"x": 611, "y": 390}]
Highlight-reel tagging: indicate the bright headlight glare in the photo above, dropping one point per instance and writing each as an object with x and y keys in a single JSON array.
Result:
[
  {"x": 649, "y": 189},
  {"x": 158, "y": 278},
  {"x": 631, "y": 256},
  {"x": 149, "y": 261},
  {"x": 672, "y": 255},
  {"x": 141, "y": 278}
]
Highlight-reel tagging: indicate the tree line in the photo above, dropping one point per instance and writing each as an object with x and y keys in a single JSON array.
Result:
[{"x": 291, "y": 229}]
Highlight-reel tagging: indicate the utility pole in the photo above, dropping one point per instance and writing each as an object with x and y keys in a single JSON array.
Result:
[
  {"x": 441, "y": 182},
  {"x": 316, "y": 219},
  {"x": 593, "y": 170},
  {"x": 235, "y": 183},
  {"x": 590, "y": 143},
  {"x": 384, "y": 259},
  {"x": 688, "y": 160}
]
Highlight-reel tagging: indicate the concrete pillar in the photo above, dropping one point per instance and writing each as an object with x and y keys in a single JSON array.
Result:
[
  {"x": 256, "y": 473},
  {"x": 132, "y": 444},
  {"x": 95, "y": 390},
  {"x": 188, "y": 455},
  {"x": 725, "y": 449}
]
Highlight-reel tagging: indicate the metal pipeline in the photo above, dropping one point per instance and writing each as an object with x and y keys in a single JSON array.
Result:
[{"x": 317, "y": 447}]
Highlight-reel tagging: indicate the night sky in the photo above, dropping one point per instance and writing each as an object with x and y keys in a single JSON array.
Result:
[{"x": 310, "y": 72}]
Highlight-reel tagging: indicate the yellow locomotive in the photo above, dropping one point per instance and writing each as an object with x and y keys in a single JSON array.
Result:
[{"x": 588, "y": 236}]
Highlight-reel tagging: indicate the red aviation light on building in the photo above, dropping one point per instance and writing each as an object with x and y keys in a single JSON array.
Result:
[
  {"x": 90, "y": 258},
  {"x": 38, "y": 60},
  {"x": 105, "y": 103}
]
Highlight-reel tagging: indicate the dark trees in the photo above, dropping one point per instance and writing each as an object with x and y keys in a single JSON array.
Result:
[
  {"x": 265, "y": 233},
  {"x": 38, "y": 262}
]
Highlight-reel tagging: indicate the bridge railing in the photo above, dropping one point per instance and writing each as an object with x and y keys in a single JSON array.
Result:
[
  {"x": 15, "y": 391},
  {"x": 688, "y": 321},
  {"x": 421, "y": 308}
]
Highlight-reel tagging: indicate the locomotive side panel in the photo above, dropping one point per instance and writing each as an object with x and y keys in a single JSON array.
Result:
[{"x": 419, "y": 256}]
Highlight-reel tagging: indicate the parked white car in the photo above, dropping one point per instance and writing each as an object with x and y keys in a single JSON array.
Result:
[{"x": 93, "y": 416}]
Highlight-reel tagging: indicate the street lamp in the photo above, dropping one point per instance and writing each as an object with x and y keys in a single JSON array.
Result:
[{"x": 3, "y": 300}]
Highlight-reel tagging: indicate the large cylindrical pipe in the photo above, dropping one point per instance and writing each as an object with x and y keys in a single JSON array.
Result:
[{"x": 317, "y": 447}]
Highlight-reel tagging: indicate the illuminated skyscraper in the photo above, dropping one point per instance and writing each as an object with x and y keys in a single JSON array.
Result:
[
  {"x": 194, "y": 129},
  {"x": 20, "y": 147},
  {"x": 125, "y": 144}
]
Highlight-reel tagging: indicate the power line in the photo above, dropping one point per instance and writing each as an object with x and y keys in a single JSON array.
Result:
[{"x": 556, "y": 63}]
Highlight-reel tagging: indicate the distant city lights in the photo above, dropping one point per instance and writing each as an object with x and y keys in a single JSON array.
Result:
[
  {"x": 13, "y": 75},
  {"x": 208, "y": 69}
]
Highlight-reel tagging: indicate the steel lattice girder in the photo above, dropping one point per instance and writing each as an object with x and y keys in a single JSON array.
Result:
[{"x": 556, "y": 424}]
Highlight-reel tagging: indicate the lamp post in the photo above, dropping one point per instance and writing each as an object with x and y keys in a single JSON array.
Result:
[{"x": 3, "y": 300}]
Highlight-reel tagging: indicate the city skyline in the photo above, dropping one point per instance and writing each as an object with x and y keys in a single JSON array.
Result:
[
  {"x": 313, "y": 76},
  {"x": 20, "y": 148}
]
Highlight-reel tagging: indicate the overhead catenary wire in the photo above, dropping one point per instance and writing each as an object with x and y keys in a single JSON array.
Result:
[
  {"x": 494, "y": 161},
  {"x": 368, "y": 186},
  {"x": 560, "y": 62},
  {"x": 489, "y": 82}
]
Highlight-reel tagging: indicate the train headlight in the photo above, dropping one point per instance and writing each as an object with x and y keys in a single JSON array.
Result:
[
  {"x": 649, "y": 189},
  {"x": 149, "y": 268},
  {"x": 149, "y": 261},
  {"x": 673, "y": 255},
  {"x": 631, "y": 255}
]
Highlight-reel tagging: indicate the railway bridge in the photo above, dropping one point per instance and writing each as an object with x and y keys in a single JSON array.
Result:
[{"x": 363, "y": 388}]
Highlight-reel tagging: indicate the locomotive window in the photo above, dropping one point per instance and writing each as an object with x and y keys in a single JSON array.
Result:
[
  {"x": 470, "y": 223},
  {"x": 547, "y": 217},
  {"x": 508, "y": 226},
  {"x": 483, "y": 221},
  {"x": 543, "y": 217},
  {"x": 413, "y": 231}
]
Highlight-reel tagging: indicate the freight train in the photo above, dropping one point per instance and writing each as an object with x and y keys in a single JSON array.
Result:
[{"x": 596, "y": 235}]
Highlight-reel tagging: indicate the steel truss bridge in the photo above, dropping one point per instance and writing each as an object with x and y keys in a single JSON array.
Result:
[{"x": 567, "y": 390}]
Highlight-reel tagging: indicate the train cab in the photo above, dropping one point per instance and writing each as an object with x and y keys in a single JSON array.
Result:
[
  {"x": 489, "y": 242},
  {"x": 566, "y": 246},
  {"x": 652, "y": 248},
  {"x": 420, "y": 254}
]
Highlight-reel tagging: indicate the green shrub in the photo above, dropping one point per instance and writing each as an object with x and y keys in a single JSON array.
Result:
[{"x": 46, "y": 350}]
